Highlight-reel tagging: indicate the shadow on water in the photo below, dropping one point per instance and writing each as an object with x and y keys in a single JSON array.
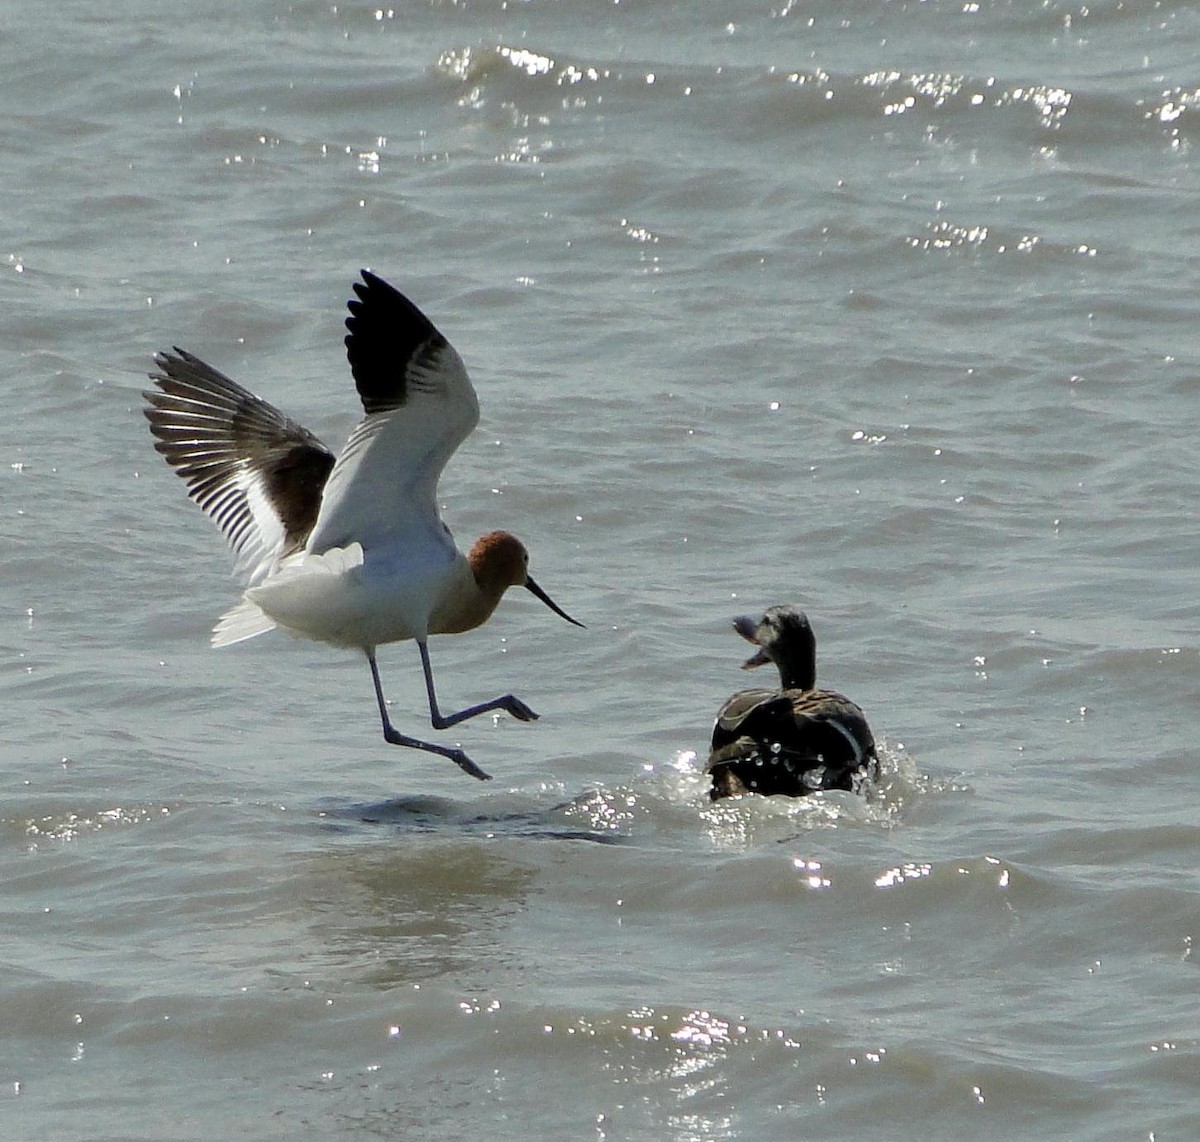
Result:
[{"x": 423, "y": 814}]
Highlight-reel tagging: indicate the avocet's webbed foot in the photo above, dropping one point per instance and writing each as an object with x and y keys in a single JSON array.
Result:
[
  {"x": 441, "y": 721},
  {"x": 467, "y": 765},
  {"x": 394, "y": 737},
  {"x": 507, "y": 702},
  {"x": 518, "y": 709}
]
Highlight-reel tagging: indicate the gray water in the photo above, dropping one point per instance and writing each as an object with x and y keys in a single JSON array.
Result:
[{"x": 884, "y": 309}]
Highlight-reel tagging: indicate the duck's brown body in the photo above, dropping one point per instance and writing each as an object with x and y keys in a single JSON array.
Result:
[{"x": 791, "y": 741}]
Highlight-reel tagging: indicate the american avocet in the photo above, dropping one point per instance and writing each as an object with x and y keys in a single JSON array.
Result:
[
  {"x": 348, "y": 551},
  {"x": 794, "y": 740}
]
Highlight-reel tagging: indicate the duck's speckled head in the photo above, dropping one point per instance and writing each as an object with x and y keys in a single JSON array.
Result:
[{"x": 785, "y": 637}]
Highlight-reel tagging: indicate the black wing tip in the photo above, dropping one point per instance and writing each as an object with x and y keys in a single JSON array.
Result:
[
  {"x": 374, "y": 291},
  {"x": 168, "y": 362},
  {"x": 174, "y": 354},
  {"x": 385, "y": 333},
  {"x": 373, "y": 284},
  {"x": 163, "y": 360}
]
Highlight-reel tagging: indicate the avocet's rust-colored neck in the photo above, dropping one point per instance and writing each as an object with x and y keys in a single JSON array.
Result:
[{"x": 495, "y": 562}]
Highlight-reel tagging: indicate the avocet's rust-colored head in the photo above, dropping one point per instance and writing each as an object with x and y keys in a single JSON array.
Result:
[{"x": 499, "y": 561}]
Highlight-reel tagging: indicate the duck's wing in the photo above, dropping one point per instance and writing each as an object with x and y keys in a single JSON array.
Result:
[
  {"x": 740, "y": 714},
  {"x": 256, "y": 473},
  {"x": 789, "y": 741},
  {"x": 420, "y": 406},
  {"x": 834, "y": 726}
]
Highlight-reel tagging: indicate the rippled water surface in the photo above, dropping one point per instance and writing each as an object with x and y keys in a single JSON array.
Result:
[{"x": 883, "y": 309}]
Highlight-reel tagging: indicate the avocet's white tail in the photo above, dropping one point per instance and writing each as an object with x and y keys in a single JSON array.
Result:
[{"x": 239, "y": 623}]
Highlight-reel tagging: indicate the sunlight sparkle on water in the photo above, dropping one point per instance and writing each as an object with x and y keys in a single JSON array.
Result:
[
  {"x": 810, "y": 873},
  {"x": 898, "y": 875}
]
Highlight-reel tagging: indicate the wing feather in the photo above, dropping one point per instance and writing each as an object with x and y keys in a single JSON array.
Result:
[
  {"x": 257, "y": 474},
  {"x": 420, "y": 406}
]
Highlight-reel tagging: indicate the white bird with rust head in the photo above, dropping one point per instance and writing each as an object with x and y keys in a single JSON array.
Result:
[{"x": 350, "y": 551}]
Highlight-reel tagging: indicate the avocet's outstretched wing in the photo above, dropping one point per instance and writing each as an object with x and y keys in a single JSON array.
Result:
[
  {"x": 420, "y": 407},
  {"x": 256, "y": 473}
]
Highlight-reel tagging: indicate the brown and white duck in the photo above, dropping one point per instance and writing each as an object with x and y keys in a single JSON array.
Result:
[{"x": 797, "y": 739}]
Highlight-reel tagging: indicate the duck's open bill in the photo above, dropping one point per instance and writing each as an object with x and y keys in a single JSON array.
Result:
[
  {"x": 747, "y": 627},
  {"x": 530, "y": 585}
]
